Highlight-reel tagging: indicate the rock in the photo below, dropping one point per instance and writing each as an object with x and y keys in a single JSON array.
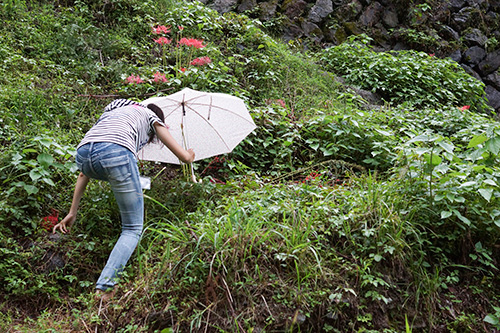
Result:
[
  {"x": 463, "y": 18},
  {"x": 294, "y": 9},
  {"x": 475, "y": 37},
  {"x": 390, "y": 18},
  {"x": 247, "y": 5},
  {"x": 292, "y": 32},
  {"x": 493, "y": 96},
  {"x": 474, "y": 55},
  {"x": 320, "y": 10},
  {"x": 224, "y": 6},
  {"x": 471, "y": 72},
  {"x": 493, "y": 80},
  {"x": 349, "y": 11},
  {"x": 456, "y": 55},
  {"x": 268, "y": 10},
  {"x": 490, "y": 64},
  {"x": 372, "y": 14},
  {"x": 448, "y": 33},
  {"x": 456, "y": 5}
]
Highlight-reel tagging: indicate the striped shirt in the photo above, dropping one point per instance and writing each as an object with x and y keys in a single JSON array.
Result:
[{"x": 128, "y": 124}]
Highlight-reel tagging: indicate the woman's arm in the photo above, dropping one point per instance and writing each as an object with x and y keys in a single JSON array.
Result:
[
  {"x": 186, "y": 156},
  {"x": 67, "y": 222}
]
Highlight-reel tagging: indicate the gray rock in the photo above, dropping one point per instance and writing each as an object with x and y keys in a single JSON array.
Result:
[
  {"x": 456, "y": 5},
  {"x": 390, "y": 18},
  {"x": 462, "y": 19},
  {"x": 474, "y": 55},
  {"x": 247, "y": 5},
  {"x": 268, "y": 10},
  {"x": 320, "y": 10},
  {"x": 471, "y": 72},
  {"x": 475, "y": 37},
  {"x": 295, "y": 8},
  {"x": 456, "y": 56},
  {"x": 448, "y": 33},
  {"x": 292, "y": 32},
  {"x": 493, "y": 96},
  {"x": 372, "y": 14},
  {"x": 490, "y": 64},
  {"x": 224, "y": 6},
  {"x": 493, "y": 80}
]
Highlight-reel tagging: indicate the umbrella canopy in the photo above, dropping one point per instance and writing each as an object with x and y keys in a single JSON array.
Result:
[{"x": 210, "y": 123}]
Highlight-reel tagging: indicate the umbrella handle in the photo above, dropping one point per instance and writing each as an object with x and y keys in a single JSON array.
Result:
[{"x": 193, "y": 177}]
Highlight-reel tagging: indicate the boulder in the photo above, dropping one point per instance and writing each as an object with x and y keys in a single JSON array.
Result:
[
  {"x": 448, "y": 33},
  {"x": 493, "y": 80},
  {"x": 456, "y": 5},
  {"x": 372, "y": 14},
  {"x": 295, "y": 8},
  {"x": 224, "y": 6},
  {"x": 474, "y": 55},
  {"x": 471, "y": 72},
  {"x": 490, "y": 64},
  {"x": 475, "y": 37},
  {"x": 390, "y": 18},
  {"x": 268, "y": 10},
  {"x": 247, "y": 5},
  {"x": 493, "y": 96},
  {"x": 456, "y": 55},
  {"x": 320, "y": 10}
]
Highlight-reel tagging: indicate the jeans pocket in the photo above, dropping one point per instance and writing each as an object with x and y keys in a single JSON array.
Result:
[{"x": 117, "y": 168}]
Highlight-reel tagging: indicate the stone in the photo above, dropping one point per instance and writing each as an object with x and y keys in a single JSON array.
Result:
[
  {"x": 448, "y": 33},
  {"x": 493, "y": 80},
  {"x": 475, "y": 37},
  {"x": 474, "y": 55},
  {"x": 247, "y": 5},
  {"x": 471, "y": 72},
  {"x": 268, "y": 10},
  {"x": 390, "y": 18},
  {"x": 224, "y": 6},
  {"x": 372, "y": 14},
  {"x": 456, "y": 5},
  {"x": 292, "y": 32},
  {"x": 493, "y": 96},
  {"x": 463, "y": 18},
  {"x": 490, "y": 64},
  {"x": 320, "y": 10},
  {"x": 456, "y": 55},
  {"x": 295, "y": 8}
]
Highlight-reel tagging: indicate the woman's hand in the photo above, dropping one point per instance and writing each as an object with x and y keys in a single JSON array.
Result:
[
  {"x": 190, "y": 158},
  {"x": 65, "y": 225}
]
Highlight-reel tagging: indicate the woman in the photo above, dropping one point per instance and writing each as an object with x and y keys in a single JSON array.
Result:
[{"x": 109, "y": 152}]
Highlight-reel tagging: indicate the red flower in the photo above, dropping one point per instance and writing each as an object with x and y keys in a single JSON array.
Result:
[
  {"x": 163, "y": 40},
  {"x": 183, "y": 69},
  {"x": 281, "y": 102},
  {"x": 48, "y": 222},
  {"x": 431, "y": 54},
  {"x": 196, "y": 43},
  {"x": 465, "y": 107},
  {"x": 180, "y": 27},
  {"x": 161, "y": 29},
  {"x": 159, "y": 77},
  {"x": 134, "y": 79},
  {"x": 201, "y": 61}
]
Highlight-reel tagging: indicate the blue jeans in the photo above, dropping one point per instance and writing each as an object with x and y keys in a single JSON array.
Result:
[{"x": 118, "y": 166}]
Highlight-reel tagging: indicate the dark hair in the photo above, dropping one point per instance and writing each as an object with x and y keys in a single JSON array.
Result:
[{"x": 156, "y": 109}]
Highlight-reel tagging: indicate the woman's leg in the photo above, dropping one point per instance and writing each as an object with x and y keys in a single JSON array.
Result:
[{"x": 123, "y": 175}]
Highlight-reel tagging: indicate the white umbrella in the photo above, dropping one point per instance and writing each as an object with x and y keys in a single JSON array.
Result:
[{"x": 210, "y": 123}]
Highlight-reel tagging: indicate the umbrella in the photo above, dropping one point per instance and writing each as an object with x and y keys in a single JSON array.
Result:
[{"x": 210, "y": 123}]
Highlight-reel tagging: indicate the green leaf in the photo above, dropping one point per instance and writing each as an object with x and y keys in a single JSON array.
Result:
[
  {"x": 383, "y": 132},
  {"x": 445, "y": 214},
  {"x": 492, "y": 320},
  {"x": 34, "y": 174},
  {"x": 461, "y": 217},
  {"x": 477, "y": 140},
  {"x": 447, "y": 146},
  {"x": 490, "y": 182},
  {"x": 493, "y": 145},
  {"x": 486, "y": 193},
  {"x": 31, "y": 189},
  {"x": 45, "y": 159}
]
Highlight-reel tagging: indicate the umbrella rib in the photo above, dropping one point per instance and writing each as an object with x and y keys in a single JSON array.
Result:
[
  {"x": 209, "y": 124},
  {"x": 222, "y": 109}
]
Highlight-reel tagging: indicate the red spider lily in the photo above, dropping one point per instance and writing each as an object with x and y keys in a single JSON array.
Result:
[
  {"x": 134, "y": 79},
  {"x": 180, "y": 27},
  {"x": 196, "y": 43},
  {"x": 201, "y": 61},
  {"x": 159, "y": 77},
  {"x": 431, "y": 54},
  {"x": 465, "y": 107},
  {"x": 183, "y": 69},
  {"x": 163, "y": 40},
  {"x": 161, "y": 29},
  {"x": 48, "y": 222},
  {"x": 281, "y": 103}
]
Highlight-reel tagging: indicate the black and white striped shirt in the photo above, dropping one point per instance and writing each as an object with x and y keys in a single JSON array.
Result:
[{"x": 123, "y": 122}]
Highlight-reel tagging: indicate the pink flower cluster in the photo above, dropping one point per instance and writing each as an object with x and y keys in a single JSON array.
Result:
[
  {"x": 159, "y": 77},
  {"x": 161, "y": 29},
  {"x": 134, "y": 79},
  {"x": 196, "y": 43},
  {"x": 201, "y": 61},
  {"x": 163, "y": 41}
]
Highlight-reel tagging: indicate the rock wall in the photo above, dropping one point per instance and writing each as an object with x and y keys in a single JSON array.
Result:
[{"x": 467, "y": 31}]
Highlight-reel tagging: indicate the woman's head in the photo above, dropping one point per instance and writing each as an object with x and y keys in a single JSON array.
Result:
[{"x": 156, "y": 109}]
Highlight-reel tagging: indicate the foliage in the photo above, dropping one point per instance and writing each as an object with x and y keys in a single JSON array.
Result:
[
  {"x": 333, "y": 214},
  {"x": 408, "y": 77}
]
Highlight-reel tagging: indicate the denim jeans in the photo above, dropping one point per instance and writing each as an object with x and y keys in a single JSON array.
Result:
[{"x": 118, "y": 166}]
